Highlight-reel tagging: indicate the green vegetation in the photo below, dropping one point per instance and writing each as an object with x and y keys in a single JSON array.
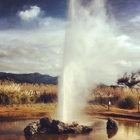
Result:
[{"x": 128, "y": 102}]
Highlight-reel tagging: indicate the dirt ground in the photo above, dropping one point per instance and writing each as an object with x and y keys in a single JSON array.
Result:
[
  {"x": 98, "y": 111},
  {"x": 37, "y": 111},
  {"x": 26, "y": 111}
]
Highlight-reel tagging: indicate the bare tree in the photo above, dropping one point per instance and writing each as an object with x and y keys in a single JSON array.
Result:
[{"x": 130, "y": 80}]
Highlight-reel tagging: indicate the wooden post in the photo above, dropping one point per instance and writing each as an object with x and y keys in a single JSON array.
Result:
[
  {"x": 109, "y": 105},
  {"x": 139, "y": 106}
]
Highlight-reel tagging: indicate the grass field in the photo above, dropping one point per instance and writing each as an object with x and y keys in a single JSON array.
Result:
[
  {"x": 14, "y": 93},
  {"x": 29, "y": 101}
]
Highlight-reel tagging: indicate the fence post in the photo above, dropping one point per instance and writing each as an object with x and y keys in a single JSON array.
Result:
[
  {"x": 139, "y": 106},
  {"x": 109, "y": 105}
]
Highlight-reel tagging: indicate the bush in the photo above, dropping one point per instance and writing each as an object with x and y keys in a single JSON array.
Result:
[
  {"x": 25, "y": 99},
  {"x": 128, "y": 102},
  {"x": 4, "y": 99},
  {"x": 48, "y": 98}
]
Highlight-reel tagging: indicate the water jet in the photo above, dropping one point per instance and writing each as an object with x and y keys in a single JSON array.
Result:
[
  {"x": 88, "y": 56},
  {"x": 88, "y": 60}
]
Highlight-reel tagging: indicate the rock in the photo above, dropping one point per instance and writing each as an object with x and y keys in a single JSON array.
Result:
[
  {"x": 74, "y": 124},
  {"x": 59, "y": 127},
  {"x": 46, "y": 122},
  {"x": 48, "y": 126},
  {"x": 86, "y": 129},
  {"x": 44, "y": 130},
  {"x": 32, "y": 128},
  {"x": 77, "y": 129},
  {"x": 111, "y": 124}
]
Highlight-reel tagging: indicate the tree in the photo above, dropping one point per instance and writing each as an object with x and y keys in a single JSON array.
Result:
[{"x": 130, "y": 80}]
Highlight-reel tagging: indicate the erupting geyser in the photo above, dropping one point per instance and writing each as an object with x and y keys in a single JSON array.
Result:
[{"x": 90, "y": 45}]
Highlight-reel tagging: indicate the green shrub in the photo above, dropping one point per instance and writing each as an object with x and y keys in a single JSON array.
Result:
[
  {"x": 4, "y": 99},
  {"x": 25, "y": 99},
  {"x": 128, "y": 102},
  {"x": 48, "y": 98}
]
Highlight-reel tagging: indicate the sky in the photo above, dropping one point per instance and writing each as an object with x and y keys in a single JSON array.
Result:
[{"x": 32, "y": 35}]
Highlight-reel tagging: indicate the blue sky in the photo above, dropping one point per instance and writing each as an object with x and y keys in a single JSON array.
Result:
[{"x": 32, "y": 35}]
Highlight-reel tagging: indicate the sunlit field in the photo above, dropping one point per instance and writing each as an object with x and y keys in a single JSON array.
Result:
[
  {"x": 24, "y": 101},
  {"x": 14, "y": 93},
  {"x": 122, "y": 97}
]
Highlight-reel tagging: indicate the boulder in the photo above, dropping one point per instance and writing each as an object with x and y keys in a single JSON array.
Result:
[
  {"x": 32, "y": 128},
  {"x": 59, "y": 127},
  {"x": 46, "y": 122},
  {"x": 44, "y": 130},
  {"x": 49, "y": 126},
  {"x": 111, "y": 124},
  {"x": 76, "y": 128},
  {"x": 74, "y": 124},
  {"x": 86, "y": 129}
]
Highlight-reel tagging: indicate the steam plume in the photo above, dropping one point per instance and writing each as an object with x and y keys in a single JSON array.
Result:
[{"x": 90, "y": 46}]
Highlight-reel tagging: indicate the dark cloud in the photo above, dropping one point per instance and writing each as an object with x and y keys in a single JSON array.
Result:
[
  {"x": 124, "y": 9},
  {"x": 10, "y": 9},
  {"x": 55, "y": 8},
  {"x": 58, "y": 8}
]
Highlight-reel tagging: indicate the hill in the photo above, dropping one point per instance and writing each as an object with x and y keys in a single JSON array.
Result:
[{"x": 32, "y": 78}]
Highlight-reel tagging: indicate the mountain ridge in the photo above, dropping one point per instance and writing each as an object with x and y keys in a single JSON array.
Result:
[{"x": 31, "y": 78}]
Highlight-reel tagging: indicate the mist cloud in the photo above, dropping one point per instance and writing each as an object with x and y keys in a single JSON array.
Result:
[{"x": 96, "y": 51}]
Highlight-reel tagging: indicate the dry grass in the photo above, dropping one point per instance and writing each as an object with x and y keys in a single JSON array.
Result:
[
  {"x": 18, "y": 101},
  {"x": 29, "y": 89},
  {"x": 13, "y": 93},
  {"x": 103, "y": 94}
]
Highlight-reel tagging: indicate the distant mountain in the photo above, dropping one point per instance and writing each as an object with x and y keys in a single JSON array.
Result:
[{"x": 32, "y": 78}]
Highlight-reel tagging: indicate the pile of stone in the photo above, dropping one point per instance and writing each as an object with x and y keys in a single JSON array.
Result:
[{"x": 50, "y": 126}]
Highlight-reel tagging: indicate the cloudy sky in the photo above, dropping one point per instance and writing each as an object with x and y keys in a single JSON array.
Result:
[{"x": 32, "y": 34}]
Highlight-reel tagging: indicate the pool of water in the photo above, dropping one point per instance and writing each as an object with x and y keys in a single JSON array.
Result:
[{"x": 127, "y": 131}]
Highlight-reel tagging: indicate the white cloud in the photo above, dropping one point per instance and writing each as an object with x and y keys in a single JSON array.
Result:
[
  {"x": 30, "y": 14},
  {"x": 37, "y": 49},
  {"x": 32, "y": 50},
  {"x": 41, "y": 48}
]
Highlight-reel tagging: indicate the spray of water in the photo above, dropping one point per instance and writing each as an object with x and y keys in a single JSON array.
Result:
[{"x": 89, "y": 48}]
